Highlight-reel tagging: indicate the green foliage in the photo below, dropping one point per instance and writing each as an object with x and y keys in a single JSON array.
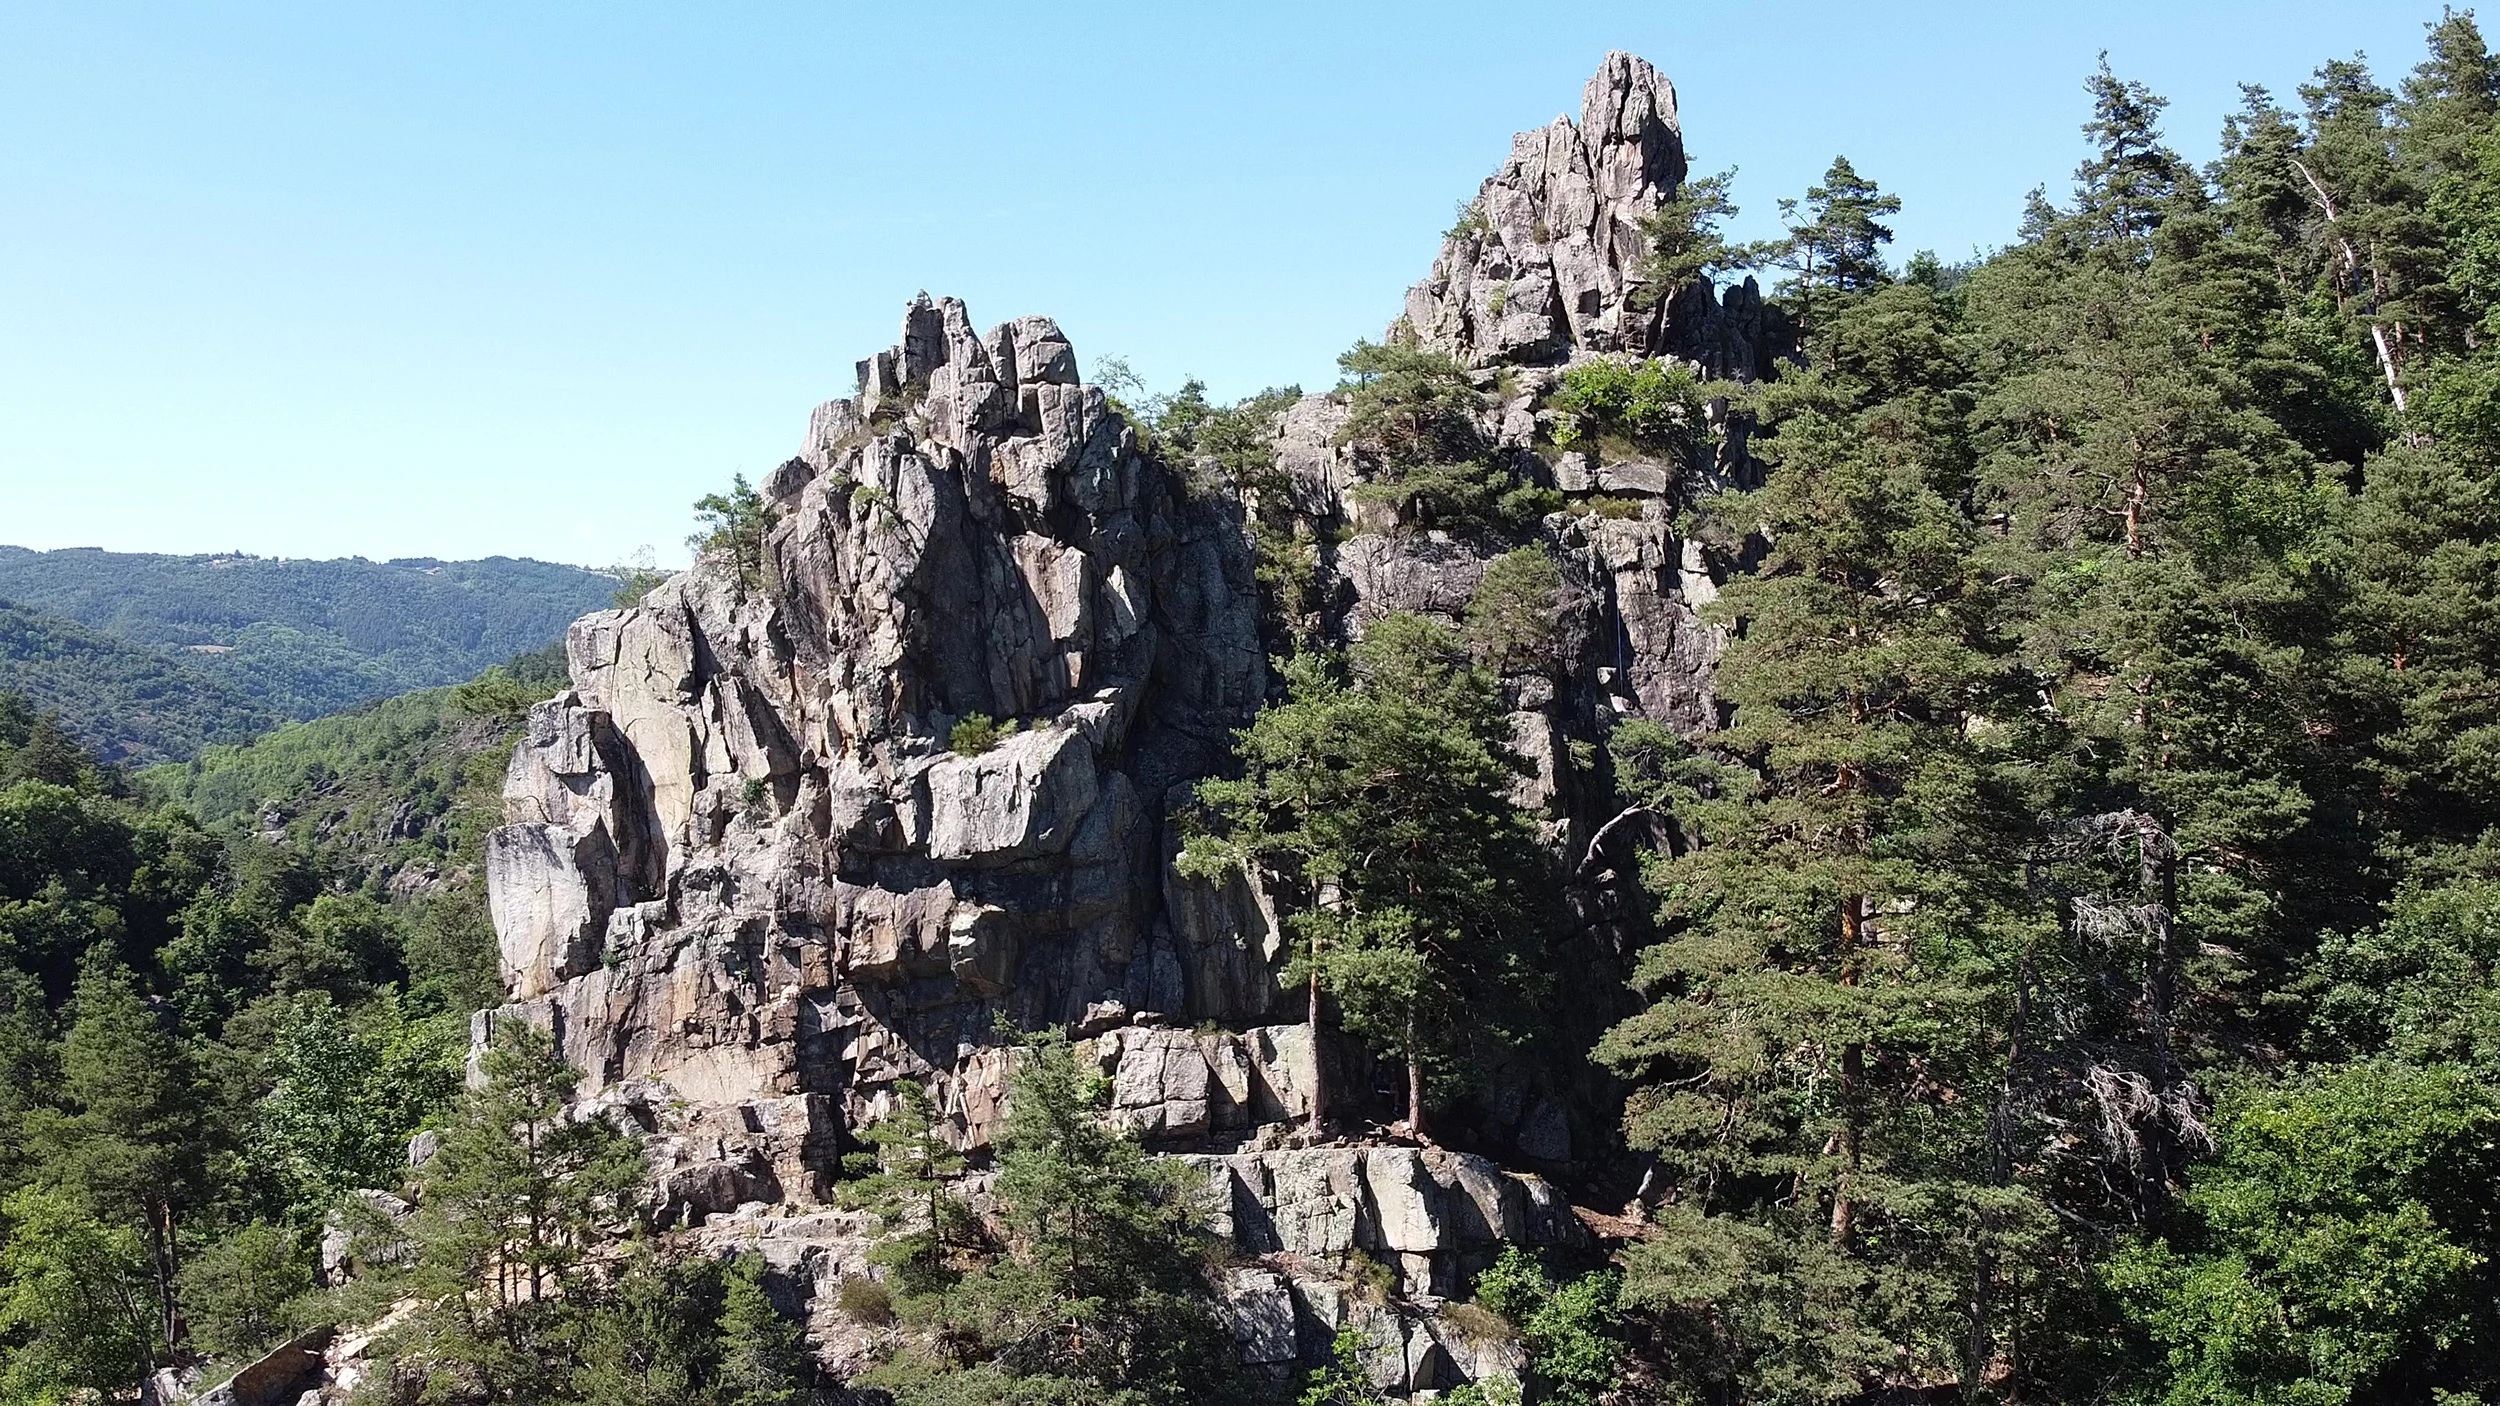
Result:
[
  {"x": 904, "y": 1178},
  {"x": 2423, "y": 986},
  {"x": 1413, "y": 422},
  {"x": 1514, "y": 616},
  {"x": 410, "y": 781},
  {"x": 512, "y": 1205},
  {"x": 77, "y": 1301},
  {"x": 1380, "y": 799},
  {"x": 975, "y": 733},
  {"x": 686, "y": 1332},
  {"x": 350, "y": 1089},
  {"x": 1685, "y": 244},
  {"x": 1231, "y": 449},
  {"x": 734, "y": 525},
  {"x": 1340, "y": 1381},
  {"x": 149, "y": 657},
  {"x": 634, "y": 580},
  {"x": 202, "y": 1041},
  {"x": 241, "y": 1295},
  {"x": 2342, "y": 1247},
  {"x": 1835, "y": 239},
  {"x": 1095, "y": 1292},
  {"x": 763, "y": 1355},
  {"x": 1573, "y": 1331},
  {"x": 1653, "y": 407},
  {"x": 126, "y": 700}
]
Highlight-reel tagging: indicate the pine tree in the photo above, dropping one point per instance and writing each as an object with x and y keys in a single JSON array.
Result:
[
  {"x": 512, "y": 1204},
  {"x": 907, "y": 1181},
  {"x": 2122, "y": 193},
  {"x": 1098, "y": 1292},
  {"x": 1382, "y": 797},
  {"x": 763, "y": 1355},
  {"x": 1841, "y": 909},
  {"x": 131, "y": 1146},
  {"x": 1685, "y": 243},
  {"x": 1835, "y": 240}
]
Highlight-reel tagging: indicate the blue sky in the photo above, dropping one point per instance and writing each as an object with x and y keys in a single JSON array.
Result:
[{"x": 452, "y": 280}]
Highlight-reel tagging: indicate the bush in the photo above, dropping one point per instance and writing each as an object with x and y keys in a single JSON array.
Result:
[
  {"x": 1618, "y": 509},
  {"x": 865, "y": 1299},
  {"x": 236, "y": 1293},
  {"x": 975, "y": 733},
  {"x": 1653, "y": 406},
  {"x": 1572, "y": 1331},
  {"x": 1513, "y": 619},
  {"x": 1479, "y": 1324}
]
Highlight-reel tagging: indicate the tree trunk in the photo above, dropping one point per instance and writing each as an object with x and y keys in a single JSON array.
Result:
[
  {"x": 2160, "y": 863},
  {"x": 1319, "y": 1064},
  {"x": 161, "y": 1263},
  {"x": 2387, "y": 354},
  {"x": 2135, "y": 516},
  {"x": 1978, "y": 1347},
  {"x": 1414, "y": 1085},
  {"x": 1844, "y": 1202}
]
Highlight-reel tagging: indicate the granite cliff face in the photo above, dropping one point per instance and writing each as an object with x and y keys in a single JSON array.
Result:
[{"x": 750, "y": 887}]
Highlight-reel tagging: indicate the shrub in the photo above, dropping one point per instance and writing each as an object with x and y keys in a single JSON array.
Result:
[
  {"x": 1368, "y": 1279},
  {"x": 236, "y": 1294},
  {"x": 865, "y": 1299},
  {"x": 1513, "y": 617},
  {"x": 1609, "y": 506},
  {"x": 975, "y": 733},
  {"x": 1478, "y": 1323},
  {"x": 1655, "y": 406},
  {"x": 1572, "y": 1331}
]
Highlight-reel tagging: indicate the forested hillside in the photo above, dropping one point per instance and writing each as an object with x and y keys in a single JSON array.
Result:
[
  {"x": 296, "y": 639},
  {"x": 126, "y": 700},
  {"x": 2052, "y": 959},
  {"x": 400, "y": 789}
]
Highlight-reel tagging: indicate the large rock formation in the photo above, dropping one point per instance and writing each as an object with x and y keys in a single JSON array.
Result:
[
  {"x": 1550, "y": 259},
  {"x": 748, "y": 882}
]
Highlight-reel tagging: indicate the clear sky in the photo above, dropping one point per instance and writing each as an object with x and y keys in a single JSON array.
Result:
[{"x": 461, "y": 279}]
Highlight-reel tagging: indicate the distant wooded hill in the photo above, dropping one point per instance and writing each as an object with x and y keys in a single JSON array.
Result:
[{"x": 148, "y": 658}]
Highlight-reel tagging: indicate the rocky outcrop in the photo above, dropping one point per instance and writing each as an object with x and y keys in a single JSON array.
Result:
[
  {"x": 757, "y": 868},
  {"x": 1550, "y": 259}
]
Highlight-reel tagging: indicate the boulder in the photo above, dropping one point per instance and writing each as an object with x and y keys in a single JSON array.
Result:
[{"x": 1021, "y": 798}]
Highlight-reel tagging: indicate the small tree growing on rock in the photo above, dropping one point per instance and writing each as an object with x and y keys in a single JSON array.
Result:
[
  {"x": 1379, "y": 792},
  {"x": 1098, "y": 1291}
]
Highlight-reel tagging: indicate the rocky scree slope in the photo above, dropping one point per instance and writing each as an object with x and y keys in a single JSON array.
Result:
[{"x": 749, "y": 887}]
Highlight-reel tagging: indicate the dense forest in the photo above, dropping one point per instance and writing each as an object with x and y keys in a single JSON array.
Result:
[
  {"x": 2071, "y": 964},
  {"x": 148, "y": 658},
  {"x": 125, "y": 700}
]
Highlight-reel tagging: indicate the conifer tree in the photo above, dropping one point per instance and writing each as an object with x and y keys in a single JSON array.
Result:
[
  {"x": 1835, "y": 240},
  {"x": 1841, "y": 907},
  {"x": 906, "y": 1181},
  {"x": 2123, "y": 191},
  {"x": 511, "y": 1206},
  {"x": 131, "y": 1145},
  {"x": 1097, "y": 1293},
  {"x": 1382, "y": 796}
]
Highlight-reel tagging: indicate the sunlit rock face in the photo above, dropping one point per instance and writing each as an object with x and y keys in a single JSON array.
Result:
[
  {"x": 750, "y": 882},
  {"x": 1548, "y": 260},
  {"x": 746, "y": 877}
]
